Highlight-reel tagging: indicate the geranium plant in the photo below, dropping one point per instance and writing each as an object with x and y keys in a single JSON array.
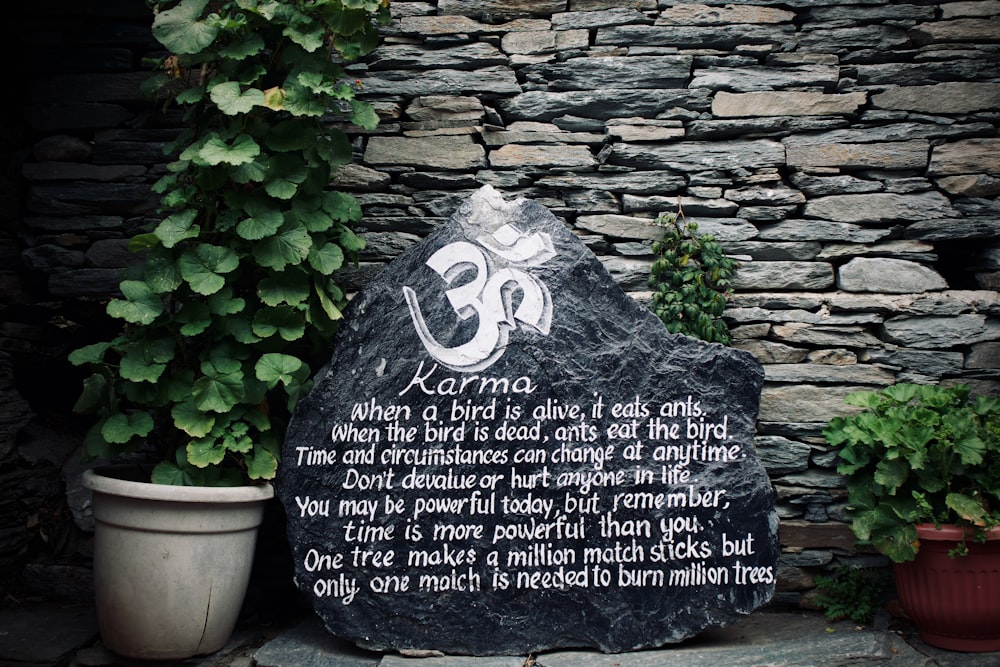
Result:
[
  {"x": 919, "y": 454},
  {"x": 236, "y": 297}
]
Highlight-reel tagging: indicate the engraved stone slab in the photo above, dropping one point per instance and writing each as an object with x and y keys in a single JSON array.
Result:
[{"x": 507, "y": 454}]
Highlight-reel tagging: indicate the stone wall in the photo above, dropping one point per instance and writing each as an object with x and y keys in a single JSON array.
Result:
[
  {"x": 847, "y": 152},
  {"x": 80, "y": 148}
]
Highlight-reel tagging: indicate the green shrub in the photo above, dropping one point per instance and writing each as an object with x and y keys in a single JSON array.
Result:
[
  {"x": 918, "y": 454},
  {"x": 236, "y": 298}
]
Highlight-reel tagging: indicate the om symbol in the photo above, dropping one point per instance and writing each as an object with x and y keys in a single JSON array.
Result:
[{"x": 489, "y": 295}]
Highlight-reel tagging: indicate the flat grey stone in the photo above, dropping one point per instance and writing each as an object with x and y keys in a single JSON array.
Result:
[
  {"x": 453, "y": 661},
  {"x": 495, "y": 80},
  {"x": 699, "y": 155},
  {"x": 310, "y": 645},
  {"x": 750, "y": 643},
  {"x": 783, "y": 275},
  {"x": 951, "y": 97},
  {"x": 781, "y": 455},
  {"x": 894, "y": 155},
  {"x": 714, "y": 37},
  {"x": 970, "y": 156},
  {"x": 888, "y": 274},
  {"x": 410, "y": 56},
  {"x": 435, "y": 152},
  {"x": 880, "y": 207},
  {"x": 957, "y": 30},
  {"x": 769, "y": 126},
  {"x": 44, "y": 634},
  {"x": 602, "y": 104},
  {"x": 824, "y": 336},
  {"x": 744, "y": 79},
  {"x": 702, "y": 14},
  {"x": 590, "y": 73},
  {"x": 941, "y": 332},
  {"x": 804, "y": 403},
  {"x": 853, "y": 373}
]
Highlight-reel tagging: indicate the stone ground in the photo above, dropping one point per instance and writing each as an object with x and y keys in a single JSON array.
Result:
[{"x": 65, "y": 635}]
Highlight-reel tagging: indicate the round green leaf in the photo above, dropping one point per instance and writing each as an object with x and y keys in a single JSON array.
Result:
[
  {"x": 273, "y": 368},
  {"x": 309, "y": 39},
  {"x": 250, "y": 45},
  {"x": 205, "y": 452},
  {"x": 232, "y": 100},
  {"x": 363, "y": 115},
  {"x": 291, "y": 287},
  {"x": 343, "y": 208},
  {"x": 335, "y": 149},
  {"x": 291, "y": 135},
  {"x": 203, "y": 265},
  {"x": 194, "y": 318},
  {"x": 255, "y": 229},
  {"x": 120, "y": 428},
  {"x": 263, "y": 464},
  {"x": 90, "y": 354},
  {"x": 182, "y": 28},
  {"x": 289, "y": 246},
  {"x": 160, "y": 272},
  {"x": 191, "y": 420},
  {"x": 215, "y": 151},
  {"x": 288, "y": 323},
  {"x": 140, "y": 306},
  {"x": 326, "y": 258},
  {"x": 218, "y": 393},
  {"x": 177, "y": 227},
  {"x": 223, "y": 303},
  {"x": 286, "y": 172}
]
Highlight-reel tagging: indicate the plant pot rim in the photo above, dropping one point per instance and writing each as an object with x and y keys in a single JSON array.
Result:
[
  {"x": 114, "y": 481},
  {"x": 949, "y": 532}
]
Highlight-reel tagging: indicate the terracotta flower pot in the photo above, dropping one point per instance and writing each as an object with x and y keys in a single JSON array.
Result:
[
  {"x": 171, "y": 564},
  {"x": 954, "y": 602}
]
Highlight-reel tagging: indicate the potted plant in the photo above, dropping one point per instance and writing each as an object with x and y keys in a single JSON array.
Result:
[
  {"x": 231, "y": 306},
  {"x": 923, "y": 481}
]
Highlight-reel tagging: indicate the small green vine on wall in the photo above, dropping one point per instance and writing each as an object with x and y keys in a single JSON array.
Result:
[{"x": 690, "y": 279}]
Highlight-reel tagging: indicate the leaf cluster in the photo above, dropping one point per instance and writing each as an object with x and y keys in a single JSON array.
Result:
[
  {"x": 228, "y": 313},
  {"x": 918, "y": 454},
  {"x": 690, "y": 279},
  {"x": 852, "y": 592}
]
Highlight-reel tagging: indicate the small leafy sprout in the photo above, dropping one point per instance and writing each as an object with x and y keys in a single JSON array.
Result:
[
  {"x": 690, "y": 279},
  {"x": 852, "y": 592}
]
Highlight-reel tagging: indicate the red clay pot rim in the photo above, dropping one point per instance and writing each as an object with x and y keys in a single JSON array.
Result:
[{"x": 950, "y": 532}]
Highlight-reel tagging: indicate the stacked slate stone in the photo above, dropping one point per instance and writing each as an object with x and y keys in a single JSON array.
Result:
[
  {"x": 847, "y": 151},
  {"x": 81, "y": 148}
]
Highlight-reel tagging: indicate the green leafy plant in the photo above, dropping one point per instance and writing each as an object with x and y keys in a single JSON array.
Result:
[
  {"x": 919, "y": 454},
  {"x": 236, "y": 295},
  {"x": 690, "y": 279},
  {"x": 852, "y": 592}
]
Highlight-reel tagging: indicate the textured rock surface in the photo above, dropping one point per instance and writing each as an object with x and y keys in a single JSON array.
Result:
[{"x": 600, "y": 472}]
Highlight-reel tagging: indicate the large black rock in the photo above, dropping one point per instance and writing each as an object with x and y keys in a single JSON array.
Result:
[{"x": 507, "y": 454}]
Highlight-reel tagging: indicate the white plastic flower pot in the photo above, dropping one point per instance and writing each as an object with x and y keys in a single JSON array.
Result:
[{"x": 171, "y": 564}]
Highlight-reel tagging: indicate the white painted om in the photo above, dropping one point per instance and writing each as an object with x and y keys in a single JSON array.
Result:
[{"x": 489, "y": 294}]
